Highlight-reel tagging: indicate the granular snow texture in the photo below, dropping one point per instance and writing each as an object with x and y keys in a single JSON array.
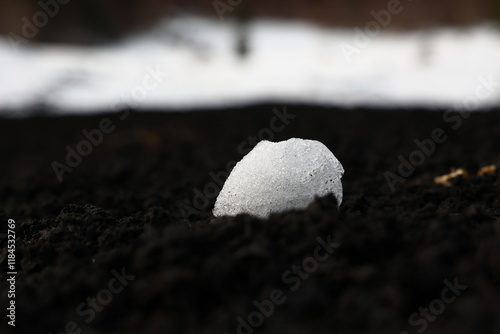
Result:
[
  {"x": 134, "y": 208},
  {"x": 280, "y": 176}
]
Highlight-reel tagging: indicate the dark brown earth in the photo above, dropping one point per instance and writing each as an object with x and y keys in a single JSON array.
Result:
[
  {"x": 135, "y": 207},
  {"x": 96, "y": 21}
]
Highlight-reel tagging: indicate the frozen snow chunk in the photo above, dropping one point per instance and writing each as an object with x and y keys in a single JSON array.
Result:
[{"x": 276, "y": 177}]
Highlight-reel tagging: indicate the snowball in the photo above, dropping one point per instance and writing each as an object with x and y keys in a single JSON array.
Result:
[{"x": 276, "y": 177}]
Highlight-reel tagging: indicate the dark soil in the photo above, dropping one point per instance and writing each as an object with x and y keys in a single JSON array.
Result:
[{"x": 134, "y": 205}]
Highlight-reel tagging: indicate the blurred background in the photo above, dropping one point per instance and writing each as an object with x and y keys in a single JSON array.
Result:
[{"x": 61, "y": 56}]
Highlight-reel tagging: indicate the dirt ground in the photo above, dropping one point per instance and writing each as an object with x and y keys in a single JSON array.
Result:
[{"x": 123, "y": 241}]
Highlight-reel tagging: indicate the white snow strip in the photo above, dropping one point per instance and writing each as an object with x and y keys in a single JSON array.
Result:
[{"x": 287, "y": 61}]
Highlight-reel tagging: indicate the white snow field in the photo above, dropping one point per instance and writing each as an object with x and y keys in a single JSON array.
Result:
[{"x": 288, "y": 61}]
